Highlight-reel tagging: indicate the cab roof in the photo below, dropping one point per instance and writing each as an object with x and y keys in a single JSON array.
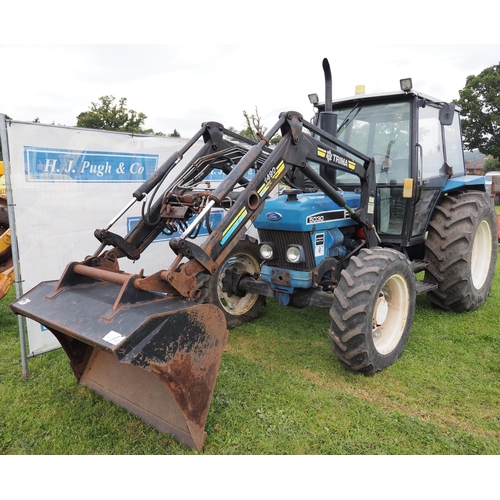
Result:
[{"x": 382, "y": 96}]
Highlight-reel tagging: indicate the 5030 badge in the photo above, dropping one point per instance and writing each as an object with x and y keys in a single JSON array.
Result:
[{"x": 59, "y": 165}]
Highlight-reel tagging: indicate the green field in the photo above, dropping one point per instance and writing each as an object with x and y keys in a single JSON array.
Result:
[{"x": 281, "y": 391}]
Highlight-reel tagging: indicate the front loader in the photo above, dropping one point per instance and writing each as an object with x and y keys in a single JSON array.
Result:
[{"x": 372, "y": 195}]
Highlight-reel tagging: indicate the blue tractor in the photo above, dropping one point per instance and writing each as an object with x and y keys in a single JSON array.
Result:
[
  {"x": 358, "y": 211},
  {"x": 428, "y": 215}
]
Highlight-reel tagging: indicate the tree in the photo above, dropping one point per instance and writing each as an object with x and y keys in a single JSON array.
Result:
[
  {"x": 255, "y": 127},
  {"x": 492, "y": 165},
  {"x": 150, "y": 131},
  {"x": 174, "y": 133},
  {"x": 107, "y": 115},
  {"x": 480, "y": 103}
]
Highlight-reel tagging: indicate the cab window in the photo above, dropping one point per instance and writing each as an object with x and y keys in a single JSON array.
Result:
[
  {"x": 430, "y": 142},
  {"x": 381, "y": 131}
]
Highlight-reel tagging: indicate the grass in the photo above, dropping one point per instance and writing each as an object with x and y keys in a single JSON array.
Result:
[{"x": 281, "y": 391}]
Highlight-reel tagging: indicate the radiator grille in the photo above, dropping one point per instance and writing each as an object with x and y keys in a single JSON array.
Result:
[{"x": 282, "y": 239}]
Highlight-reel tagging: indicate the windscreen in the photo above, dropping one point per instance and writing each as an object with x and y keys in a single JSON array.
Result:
[{"x": 381, "y": 131}]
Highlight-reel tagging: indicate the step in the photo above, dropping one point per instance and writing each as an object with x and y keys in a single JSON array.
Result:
[
  {"x": 425, "y": 286},
  {"x": 419, "y": 265}
]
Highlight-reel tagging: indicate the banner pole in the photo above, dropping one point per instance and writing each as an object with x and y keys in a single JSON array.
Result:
[{"x": 21, "y": 320}]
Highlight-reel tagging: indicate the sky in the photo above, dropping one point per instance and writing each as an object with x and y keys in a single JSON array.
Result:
[{"x": 179, "y": 86}]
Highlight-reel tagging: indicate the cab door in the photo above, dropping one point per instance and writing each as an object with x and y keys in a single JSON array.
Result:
[{"x": 439, "y": 156}]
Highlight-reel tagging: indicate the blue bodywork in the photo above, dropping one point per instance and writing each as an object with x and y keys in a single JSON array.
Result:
[
  {"x": 298, "y": 215},
  {"x": 317, "y": 216},
  {"x": 465, "y": 181},
  {"x": 314, "y": 214}
]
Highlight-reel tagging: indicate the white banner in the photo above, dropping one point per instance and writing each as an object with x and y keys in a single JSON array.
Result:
[{"x": 67, "y": 182}]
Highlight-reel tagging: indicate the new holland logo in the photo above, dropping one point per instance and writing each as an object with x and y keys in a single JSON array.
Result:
[{"x": 273, "y": 216}]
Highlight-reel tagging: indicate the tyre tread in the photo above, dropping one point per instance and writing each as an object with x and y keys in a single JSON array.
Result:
[{"x": 351, "y": 312}]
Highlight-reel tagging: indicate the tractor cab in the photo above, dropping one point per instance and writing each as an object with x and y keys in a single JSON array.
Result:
[{"x": 417, "y": 146}]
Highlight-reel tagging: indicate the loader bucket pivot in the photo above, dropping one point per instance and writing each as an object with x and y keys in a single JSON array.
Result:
[{"x": 157, "y": 357}]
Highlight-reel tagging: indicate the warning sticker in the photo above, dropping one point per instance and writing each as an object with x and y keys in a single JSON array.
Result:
[
  {"x": 113, "y": 337},
  {"x": 319, "y": 245}
]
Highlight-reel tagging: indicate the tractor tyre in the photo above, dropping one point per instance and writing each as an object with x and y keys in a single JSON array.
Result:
[
  {"x": 241, "y": 308},
  {"x": 461, "y": 249},
  {"x": 373, "y": 309}
]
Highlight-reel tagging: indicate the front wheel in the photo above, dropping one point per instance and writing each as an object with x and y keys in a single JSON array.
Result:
[
  {"x": 239, "y": 308},
  {"x": 373, "y": 309}
]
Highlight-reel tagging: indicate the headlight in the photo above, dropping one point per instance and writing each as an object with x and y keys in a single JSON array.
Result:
[
  {"x": 267, "y": 251},
  {"x": 294, "y": 254}
]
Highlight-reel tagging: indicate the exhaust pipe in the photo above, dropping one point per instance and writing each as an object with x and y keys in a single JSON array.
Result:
[{"x": 327, "y": 118}]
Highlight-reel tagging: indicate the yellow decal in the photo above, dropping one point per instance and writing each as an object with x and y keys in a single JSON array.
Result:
[
  {"x": 242, "y": 213},
  {"x": 280, "y": 168},
  {"x": 322, "y": 152},
  {"x": 351, "y": 165},
  {"x": 263, "y": 189},
  {"x": 273, "y": 174}
]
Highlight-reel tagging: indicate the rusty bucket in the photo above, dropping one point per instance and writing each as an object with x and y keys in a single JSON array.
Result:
[{"x": 157, "y": 356}]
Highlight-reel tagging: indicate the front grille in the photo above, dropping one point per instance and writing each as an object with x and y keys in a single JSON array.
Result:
[{"x": 281, "y": 240}]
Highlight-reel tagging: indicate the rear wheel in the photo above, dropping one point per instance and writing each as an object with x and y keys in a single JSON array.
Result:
[
  {"x": 461, "y": 249},
  {"x": 373, "y": 309},
  {"x": 239, "y": 308}
]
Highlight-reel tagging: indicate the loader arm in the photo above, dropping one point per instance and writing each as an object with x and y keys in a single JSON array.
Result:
[
  {"x": 296, "y": 150},
  {"x": 160, "y": 216},
  {"x": 183, "y": 206}
]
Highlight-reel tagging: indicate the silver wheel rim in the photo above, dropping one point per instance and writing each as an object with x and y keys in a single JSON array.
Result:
[
  {"x": 234, "y": 304},
  {"x": 390, "y": 314},
  {"x": 481, "y": 255}
]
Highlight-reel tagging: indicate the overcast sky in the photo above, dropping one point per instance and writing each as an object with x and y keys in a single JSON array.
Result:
[{"x": 180, "y": 86}]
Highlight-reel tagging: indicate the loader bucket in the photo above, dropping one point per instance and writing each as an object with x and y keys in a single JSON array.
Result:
[{"x": 156, "y": 356}]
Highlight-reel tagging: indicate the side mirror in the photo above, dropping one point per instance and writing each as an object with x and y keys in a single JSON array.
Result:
[{"x": 446, "y": 114}]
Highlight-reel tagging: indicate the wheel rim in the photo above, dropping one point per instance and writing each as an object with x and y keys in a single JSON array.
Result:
[
  {"x": 234, "y": 304},
  {"x": 390, "y": 314},
  {"x": 481, "y": 255}
]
